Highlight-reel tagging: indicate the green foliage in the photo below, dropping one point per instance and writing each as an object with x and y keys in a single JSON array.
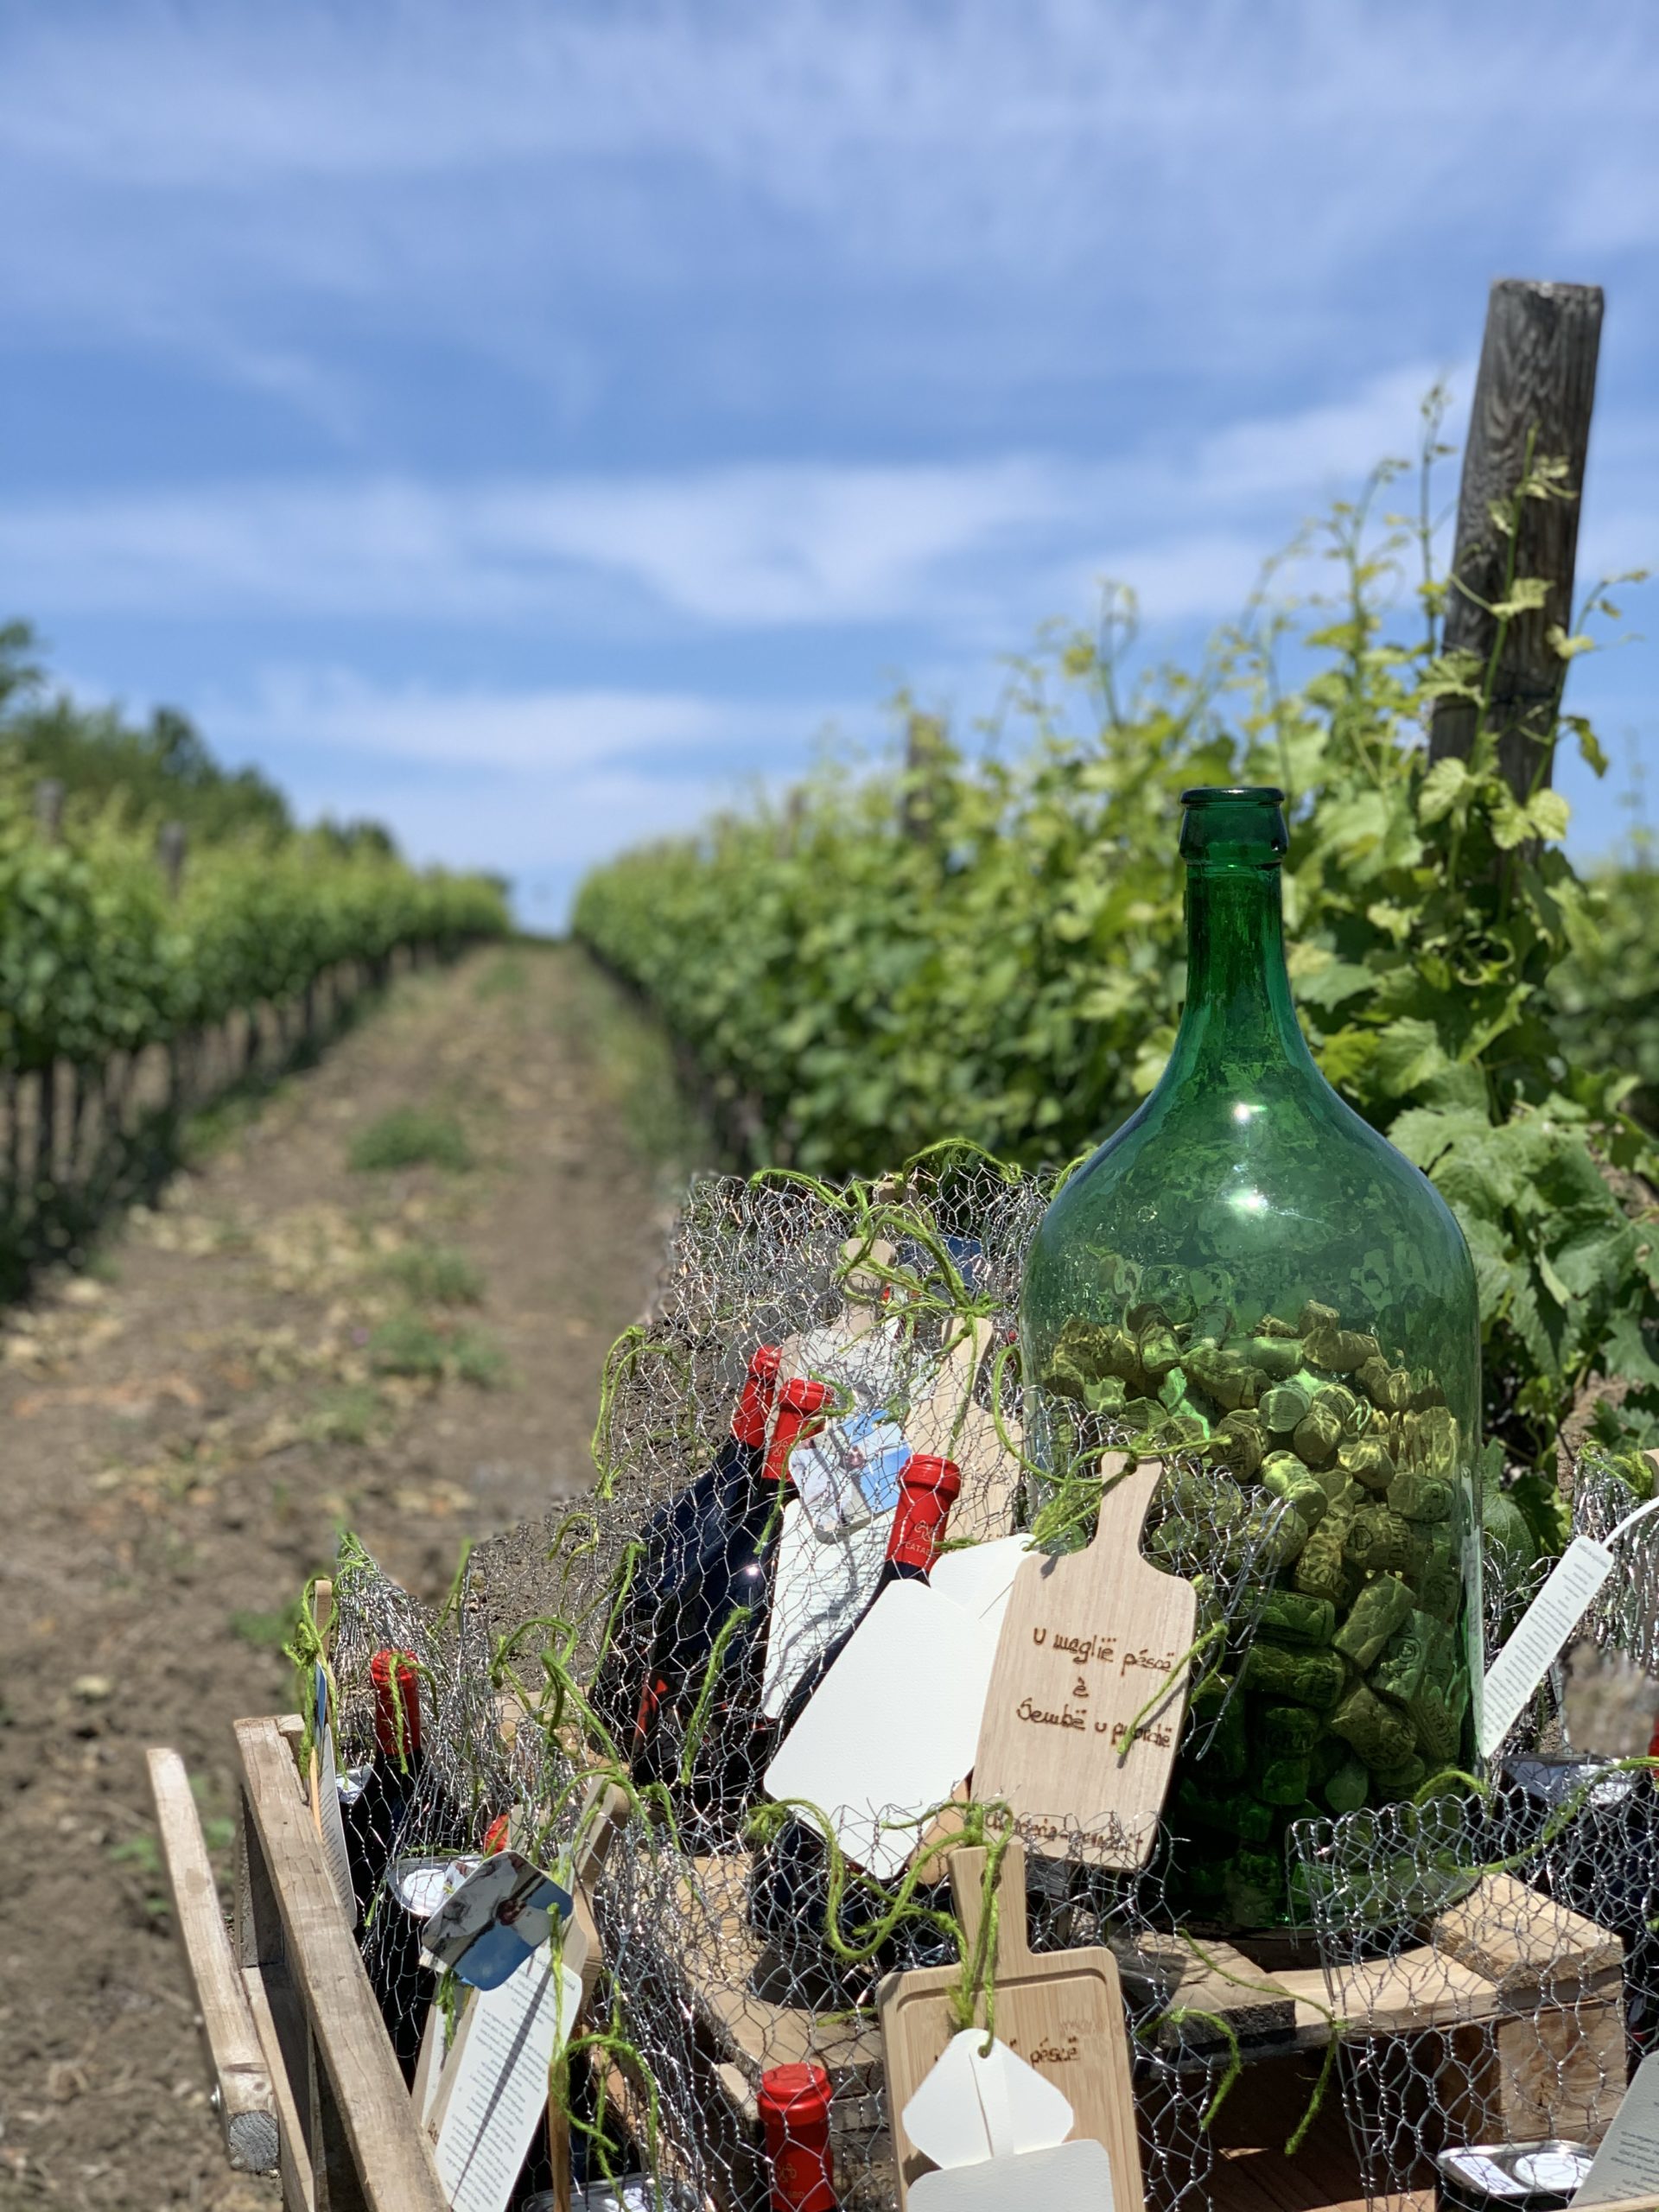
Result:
[
  {"x": 266, "y": 1631},
  {"x": 409, "y": 1345},
  {"x": 96, "y": 956},
  {"x": 436, "y": 1274},
  {"x": 162, "y": 772},
  {"x": 412, "y": 1136},
  {"x": 1014, "y": 973}
]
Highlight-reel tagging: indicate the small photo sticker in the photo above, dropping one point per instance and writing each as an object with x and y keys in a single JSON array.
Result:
[{"x": 488, "y": 1928}]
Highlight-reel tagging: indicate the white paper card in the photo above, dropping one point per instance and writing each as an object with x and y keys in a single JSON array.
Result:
[
  {"x": 978, "y": 2104},
  {"x": 1073, "y": 2177},
  {"x": 1627, "y": 2162},
  {"x": 818, "y": 1589},
  {"x": 498, "y": 2093},
  {"x": 428, "y": 2067},
  {"x": 979, "y": 1578},
  {"x": 1545, "y": 1626},
  {"x": 894, "y": 1725}
]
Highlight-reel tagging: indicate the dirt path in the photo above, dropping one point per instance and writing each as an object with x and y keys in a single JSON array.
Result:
[{"x": 288, "y": 1343}]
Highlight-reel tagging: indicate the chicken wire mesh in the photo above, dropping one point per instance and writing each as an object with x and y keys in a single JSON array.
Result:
[{"x": 737, "y": 1939}]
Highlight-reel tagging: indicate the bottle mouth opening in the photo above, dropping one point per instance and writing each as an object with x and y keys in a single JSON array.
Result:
[{"x": 1239, "y": 825}]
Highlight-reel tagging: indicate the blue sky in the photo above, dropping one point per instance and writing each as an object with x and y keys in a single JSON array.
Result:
[{"x": 529, "y": 422}]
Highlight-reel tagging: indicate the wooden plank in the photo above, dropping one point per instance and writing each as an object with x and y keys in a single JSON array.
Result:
[
  {"x": 1560, "y": 2072},
  {"x": 247, "y": 2103},
  {"x": 1533, "y": 1950},
  {"x": 392, "y": 2161},
  {"x": 1213, "y": 1978},
  {"x": 294, "y": 2163},
  {"x": 718, "y": 1960},
  {"x": 1418, "y": 1988}
]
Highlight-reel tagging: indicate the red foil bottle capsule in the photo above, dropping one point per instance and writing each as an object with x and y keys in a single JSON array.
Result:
[{"x": 794, "y": 2104}]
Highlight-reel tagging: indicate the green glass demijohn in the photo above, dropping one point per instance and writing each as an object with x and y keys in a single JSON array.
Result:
[{"x": 1248, "y": 1278}]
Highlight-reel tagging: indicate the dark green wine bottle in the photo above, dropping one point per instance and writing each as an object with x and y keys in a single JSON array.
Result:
[{"x": 1249, "y": 1279}]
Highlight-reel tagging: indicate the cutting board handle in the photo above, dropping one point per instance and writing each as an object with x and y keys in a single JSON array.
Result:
[
  {"x": 1126, "y": 1503},
  {"x": 967, "y": 1896}
]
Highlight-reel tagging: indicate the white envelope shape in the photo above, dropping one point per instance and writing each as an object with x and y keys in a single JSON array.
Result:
[{"x": 977, "y": 2104}]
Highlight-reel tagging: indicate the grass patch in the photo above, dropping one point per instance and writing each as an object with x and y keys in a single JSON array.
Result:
[
  {"x": 412, "y": 1136},
  {"x": 351, "y": 1415},
  {"x": 409, "y": 1345},
  {"x": 506, "y": 977},
  {"x": 479, "y": 1359},
  {"x": 436, "y": 1274},
  {"x": 632, "y": 1061},
  {"x": 267, "y": 1632}
]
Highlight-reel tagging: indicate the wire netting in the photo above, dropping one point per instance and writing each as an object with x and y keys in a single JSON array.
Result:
[{"x": 1474, "y": 1968}]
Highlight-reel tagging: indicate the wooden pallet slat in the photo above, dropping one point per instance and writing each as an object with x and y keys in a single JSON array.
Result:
[
  {"x": 363, "y": 2132},
  {"x": 242, "y": 2081}
]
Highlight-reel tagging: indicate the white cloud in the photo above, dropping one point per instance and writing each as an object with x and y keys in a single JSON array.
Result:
[
  {"x": 810, "y": 544},
  {"x": 1216, "y": 182},
  {"x": 540, "y": 731}
]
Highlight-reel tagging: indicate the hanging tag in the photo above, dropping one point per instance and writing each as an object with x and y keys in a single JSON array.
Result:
[
  {"x": 1627, "y": 2162},
  {"x": 1545, "y": 1626},
  {"x": 325, "y": 1800},
  {"x": 977, "y": 2104},
  {"x": 1071, "y": 2177},
  {"x": 503, "y": 1912},
  {"x": 496, "y": 2079}
]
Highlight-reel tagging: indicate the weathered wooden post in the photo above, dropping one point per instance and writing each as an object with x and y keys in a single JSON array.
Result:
[
  {"x": 171, "y": 845},
  {"x": 48, "y": 808},
  {"x": 927, "y": 761},
  {"x": 1536, "y": 383}
]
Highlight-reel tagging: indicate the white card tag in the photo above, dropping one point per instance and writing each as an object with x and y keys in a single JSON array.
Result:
[
  {"x": 818, "y": 1589},
  {"x": 1545, "y": 1626},
  {"x": 980, "y": 1577},
  {"x": 1072, "y": 2177},
  {"x": 331, "y": 1825},
  {"x": 875, "y": 1759},
  {"x": 848, "y": 1475},
  {"x": 1627, "y": 2162},
  {"x": 499, "y": 2089},
  {"x": 977, "y": 2104}
]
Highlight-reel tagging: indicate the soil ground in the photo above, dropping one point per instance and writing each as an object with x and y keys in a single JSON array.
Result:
[{"x": 287, "y": 1343}]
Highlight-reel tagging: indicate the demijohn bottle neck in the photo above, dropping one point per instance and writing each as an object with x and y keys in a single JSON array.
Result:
[{"x": 1238, "y": 1002}]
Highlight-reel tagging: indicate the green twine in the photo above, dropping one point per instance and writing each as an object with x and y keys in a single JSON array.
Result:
[
  {"x": 734, "y": 1622},
  {"x": 1216, "y": 1632}
]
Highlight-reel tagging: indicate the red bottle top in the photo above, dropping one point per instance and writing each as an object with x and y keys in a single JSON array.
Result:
[
  {"x": 794, "y": 2104},
  {"x": 928, "y": 1488},
  {"x": 396, "y": 1704},
  {"x": 799, "y": 1401},
  {"x": 754, "y": 1406}
]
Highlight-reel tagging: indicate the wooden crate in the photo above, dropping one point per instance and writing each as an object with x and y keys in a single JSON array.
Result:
[{"x": 306, "y": 2086}]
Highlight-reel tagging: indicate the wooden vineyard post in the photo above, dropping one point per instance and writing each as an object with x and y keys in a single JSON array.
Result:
[{"x": 1536, "y": 383}]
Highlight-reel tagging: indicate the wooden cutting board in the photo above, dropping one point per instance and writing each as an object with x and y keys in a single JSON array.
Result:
[
  {"x": 1087, "y": 1641},
  {"x": 1061, "y": 2010}
]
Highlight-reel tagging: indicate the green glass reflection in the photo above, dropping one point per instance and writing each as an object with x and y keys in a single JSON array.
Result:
[{"x": 1248, "y": 1274}]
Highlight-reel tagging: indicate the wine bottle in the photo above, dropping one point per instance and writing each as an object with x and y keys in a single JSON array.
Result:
[
  {"x": 376, "y": 1813},
  {"x": 789, "y": 1887},
  {"x": 672, "y": 1539},
  {"x": 794, "y": 2103},
  {"x": 723, "y": 1604}
]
